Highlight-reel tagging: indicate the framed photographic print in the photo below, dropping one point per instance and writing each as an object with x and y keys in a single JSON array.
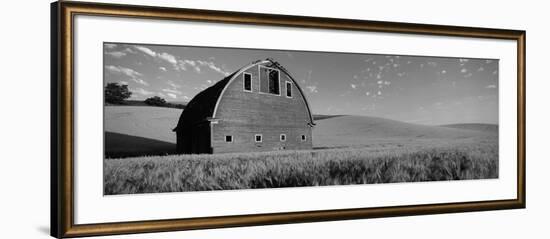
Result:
[{"x": 170, "y": 119}]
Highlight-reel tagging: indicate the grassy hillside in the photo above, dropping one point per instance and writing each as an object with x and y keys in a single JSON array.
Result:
[
  {"x": 492, "y": 128},
  {"x": 140, "y": 130},
  {"x": 363, "y": 131}
]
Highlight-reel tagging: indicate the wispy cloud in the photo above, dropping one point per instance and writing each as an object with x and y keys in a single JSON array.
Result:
[
  {"x": 162, "y": 68},
  {"x": 119, "y": 54},
  {"x": 173, "y": 85},
  {"x": 142, "y": 91},
  {"x": 491, "y": 87},
  {"x": 132, "y": 74},
  {"x": 146, "y": 51},
  {"x": 213, "y": 67},
  {"x": 172, "y": 91},
  {"x": 312, "y": 89},
  {"x": 116, "y": 54},
  {"x": 110, "y": 45},
  {"x": 169, "y": 58}
]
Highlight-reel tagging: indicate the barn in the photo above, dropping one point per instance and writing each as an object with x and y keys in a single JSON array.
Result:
[{"x": 260, "y": 107}]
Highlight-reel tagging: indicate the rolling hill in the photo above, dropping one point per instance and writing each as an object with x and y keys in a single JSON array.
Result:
[
  {"x": 477, "y": 127},
  {"x": 364, "y": 130},
  {"x": 144, "y": 130}
]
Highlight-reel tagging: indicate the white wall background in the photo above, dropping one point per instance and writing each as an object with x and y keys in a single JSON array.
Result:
[{"x": 24, "y": 132}]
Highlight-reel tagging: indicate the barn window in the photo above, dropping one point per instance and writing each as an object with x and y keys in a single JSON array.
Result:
[
  {"x": 288, "y": 89},
  {"x": 273, "y": 81},
  {"x": 304, "y": 138},
  {"x": 269, "y": 81},
  {"x": 247, "y": 82},
  {"x": 229, "y": 138},
  {"x": 258, "y": 138},
  {"x": 283, "y": 137}
]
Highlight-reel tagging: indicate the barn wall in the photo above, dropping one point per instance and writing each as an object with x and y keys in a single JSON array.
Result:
[{"x": 244, "y": 114}]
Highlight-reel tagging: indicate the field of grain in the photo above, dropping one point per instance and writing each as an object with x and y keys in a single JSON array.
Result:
[
  {"x": 180, "y": 173},
  {"x": 347, "y": 150}
]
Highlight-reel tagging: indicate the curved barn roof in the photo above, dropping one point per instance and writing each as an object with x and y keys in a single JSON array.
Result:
[{"x": 204, "y": 105}]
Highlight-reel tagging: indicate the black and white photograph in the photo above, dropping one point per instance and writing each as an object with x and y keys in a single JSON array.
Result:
[{"x": 198, "y": 118}]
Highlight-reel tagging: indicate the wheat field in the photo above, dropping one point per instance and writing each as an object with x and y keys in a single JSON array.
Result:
[{"x": 344, "y": 166}]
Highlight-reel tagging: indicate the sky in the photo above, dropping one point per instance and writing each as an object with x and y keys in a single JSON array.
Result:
[{"x": 415, "y": 89}]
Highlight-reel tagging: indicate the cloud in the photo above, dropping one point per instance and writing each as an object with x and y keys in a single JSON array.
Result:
[
  {"x": 387, "y": 82},
  {"x": 134, "y": 75},
  {"x": 162, "y": 68},
  {"x": 443, "y": 72},
  {"x": 173, "y": 85},
  {"x": 491, "y": 87},
  {"x": 480, "y": 69},
  {"x": 367, "y": 93},
  {"x": 464, "y": 70},
  {"x": 120, "y": 54},
  {"x": 140, "y": 81},
  {"x": 183, "y": 64},
  {"x": 495, "y": 72},
  {"x": 379, "y": 92},
  {"x": 169, "y": 58},
  {"x": 173, "y": 96},
  {"x": 432, "y": 63},
  {"x": 380, "y": 82},
  {"x": 312, "y": 89},
  {"x": 488, "y": 61},
  {"x": 353, "y": 86},
  {"x": 180, "y": 64},
  {"x": 142, "y": 91},
  {"x": 123, "y": 82},
  {"x": 461, "y": 60},
  {"x": 172, "y": 91},
  {"x": 123, "y": 70},
  {"x": 468, "y": 75},
  {"x": 213, "y": 67},
  {"x": 116, "y": 54},
  {"x": 110, "y": 45},
  {"x": 146, "y": 51}
]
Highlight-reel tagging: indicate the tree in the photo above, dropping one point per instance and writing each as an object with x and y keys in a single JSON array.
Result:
[
  {"x": 116, "y": 93},
  {"x": 156, "y": 101}
]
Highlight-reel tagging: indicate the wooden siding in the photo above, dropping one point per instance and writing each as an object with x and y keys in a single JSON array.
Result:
[{"x": 244, "y": 114}]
